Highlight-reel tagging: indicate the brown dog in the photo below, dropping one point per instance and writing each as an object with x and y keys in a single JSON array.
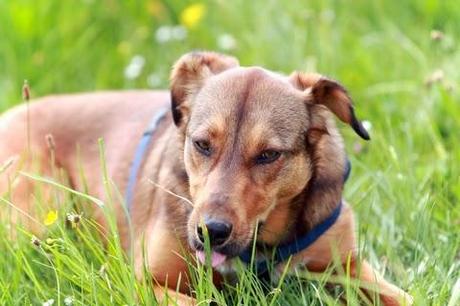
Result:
[{"x": 246, "y": 146}]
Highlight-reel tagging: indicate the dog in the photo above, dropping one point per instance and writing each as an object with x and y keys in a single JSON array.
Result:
[{"x": 241, "y": 148}]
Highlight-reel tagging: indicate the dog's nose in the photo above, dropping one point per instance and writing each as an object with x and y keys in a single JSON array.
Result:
[{"x": 218, "y": 232}]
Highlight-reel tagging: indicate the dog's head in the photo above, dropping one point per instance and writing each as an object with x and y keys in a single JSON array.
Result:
[{"x": 253, "y": 141}]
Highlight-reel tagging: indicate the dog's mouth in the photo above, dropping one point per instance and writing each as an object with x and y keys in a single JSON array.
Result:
[
  {"x": 216, "y": 258},
  {"x": 217, "y": 254}
]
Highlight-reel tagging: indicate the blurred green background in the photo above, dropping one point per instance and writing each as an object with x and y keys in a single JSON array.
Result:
[
  {"x": 374, "y": 47},
  {"x": 399, "y": 59}
]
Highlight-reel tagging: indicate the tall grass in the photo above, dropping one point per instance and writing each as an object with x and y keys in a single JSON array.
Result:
[{"x": 405, "y": 183}]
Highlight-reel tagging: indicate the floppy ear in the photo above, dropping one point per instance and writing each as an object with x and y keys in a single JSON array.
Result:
[
  {"x": 327, "y": 92},
  {"x": 189, "y": 74}
]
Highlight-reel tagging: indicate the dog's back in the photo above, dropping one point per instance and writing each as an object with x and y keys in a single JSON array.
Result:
[{"x": 70, "y": 126}]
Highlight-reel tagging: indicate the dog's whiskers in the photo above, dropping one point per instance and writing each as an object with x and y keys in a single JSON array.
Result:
[{"x": 170, "y": 192}]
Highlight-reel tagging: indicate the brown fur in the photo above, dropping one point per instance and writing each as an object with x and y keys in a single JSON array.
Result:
[{"x": 240, "y": 112}]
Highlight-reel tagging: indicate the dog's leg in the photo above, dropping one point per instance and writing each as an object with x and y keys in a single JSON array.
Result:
[
  {"x": 389, "y": 294},
  {"x": 341, "y": 239},
  {"x": 161, "y": 252},
  {"x": 166, "y": 296}
]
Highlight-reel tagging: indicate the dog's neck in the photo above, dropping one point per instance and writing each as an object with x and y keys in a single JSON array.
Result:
[
  {"x": 321, "y": 196},
  {"x": 301, "y": 214}
]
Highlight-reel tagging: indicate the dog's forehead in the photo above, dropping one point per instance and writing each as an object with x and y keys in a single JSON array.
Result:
[
  {"x": 235, "y": 85},
  {"x": 250, "y": 97}
]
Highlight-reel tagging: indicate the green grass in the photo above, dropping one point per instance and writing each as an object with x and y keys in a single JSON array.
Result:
[{"x": 405, "y": 185}]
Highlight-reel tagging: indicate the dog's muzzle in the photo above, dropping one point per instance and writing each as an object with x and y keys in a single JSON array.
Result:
[{"x": 219, "y": 233}]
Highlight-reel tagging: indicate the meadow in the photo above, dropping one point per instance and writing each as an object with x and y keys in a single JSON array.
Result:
[{"x": 399, "y": 60}]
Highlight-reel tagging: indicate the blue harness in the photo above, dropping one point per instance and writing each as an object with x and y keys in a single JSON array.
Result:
[
  {"x": 282, "y": 252},
  {"x": 143, "y": 145}
]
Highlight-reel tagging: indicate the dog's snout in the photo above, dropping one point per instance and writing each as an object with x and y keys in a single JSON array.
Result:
[{"x": 218, "y": 232}]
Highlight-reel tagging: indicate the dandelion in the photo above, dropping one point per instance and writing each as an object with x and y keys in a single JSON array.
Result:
[
  {"x": 226, "y": 42},
  {"x": 51, "y": 217},
  {"x": 48, "y": 303},
  {"x": 192, "y": 15},
  {"x": 134, "y": 68}
]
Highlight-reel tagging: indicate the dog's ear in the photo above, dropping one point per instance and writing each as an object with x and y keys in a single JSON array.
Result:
[
  {"x": 323, "y": 91},
  {"x": 189, "y": 74}
]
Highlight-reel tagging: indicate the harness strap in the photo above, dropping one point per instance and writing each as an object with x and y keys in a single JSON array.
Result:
[
  {"x": 284, "y": 251},
  {"x": 143, "y": 145}
]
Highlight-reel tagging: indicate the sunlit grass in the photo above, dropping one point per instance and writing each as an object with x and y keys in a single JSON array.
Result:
[{"x": 404, "y": 187}]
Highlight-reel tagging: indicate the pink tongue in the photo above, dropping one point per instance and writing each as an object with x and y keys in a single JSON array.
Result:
[{"x": 216, "y": 258}]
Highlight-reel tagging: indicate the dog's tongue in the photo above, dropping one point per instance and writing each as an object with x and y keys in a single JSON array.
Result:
[{"x": 216, "y": 258}]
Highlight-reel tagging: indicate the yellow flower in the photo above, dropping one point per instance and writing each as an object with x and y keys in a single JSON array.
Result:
[
  {"x": 51, "y": 217},
  {"x": 192, "y": 15}
]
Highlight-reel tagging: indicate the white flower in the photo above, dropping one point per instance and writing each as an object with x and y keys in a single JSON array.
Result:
[
  {"x": 179, "y": 32},
  {"x": 134, "y": 68},
  {"x": 48, "y": 303},
  {"x": 68, "y": 301},
  {"x": 154, "y": 80},
  {"x": 167, "y": 33},
  {"x": 163, "y": 34},
  {"x": 226, "y": 42}
]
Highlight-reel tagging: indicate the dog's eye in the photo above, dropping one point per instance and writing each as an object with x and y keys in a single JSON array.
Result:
[
  {"x": 203, "y": 146},
  {"x": 267, "y": 157}
]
